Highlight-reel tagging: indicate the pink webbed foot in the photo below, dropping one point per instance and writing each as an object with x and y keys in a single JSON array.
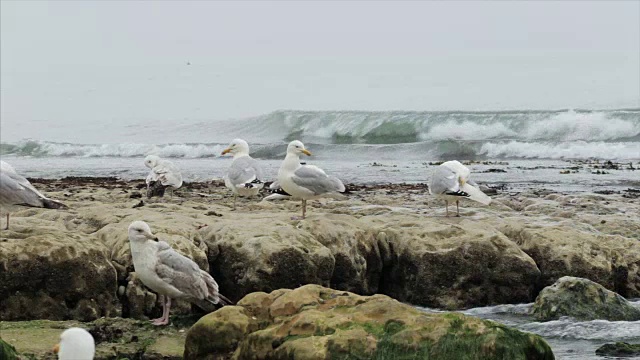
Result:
[{"x": 160, "y": 321}]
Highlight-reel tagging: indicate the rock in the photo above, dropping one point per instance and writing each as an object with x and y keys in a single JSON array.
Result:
[
  {"x": 582, "y": 299},
  {"x": 115, "y": 338},
  {"x": 313, "y": 322},
  {"x": 7, "y": 352},
  {"x": 619, "y": 349},
  {"x": 407, "y": 257},
  {"x": 55, "y": 274},
  {"x": 455, "y": 266},
  {"x": 247, "y": 256},
  {"x": 609, "y": 260}
]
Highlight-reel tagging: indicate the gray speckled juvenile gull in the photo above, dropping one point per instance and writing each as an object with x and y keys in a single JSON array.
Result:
[
  {"x": 169, "y": 273},
  {"x": 164, "y": 174}
]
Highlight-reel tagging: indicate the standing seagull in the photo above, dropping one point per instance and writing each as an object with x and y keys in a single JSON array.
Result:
[
  {"x": 17, "y": 192},
  {"x": 75, "y": 344},
  {"x": 451, "y": 181},
  {"x": 164, "y": 174},
  {"x": 306, "y": 182},
  {"x": 245, "y": 174},
  {"x": 169, "y": 273}
]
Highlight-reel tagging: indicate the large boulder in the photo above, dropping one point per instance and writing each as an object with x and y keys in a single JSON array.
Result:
[
  {"x": 250, "y": 254},
  {"x": 576, "y": 250},
  {"x": 582, "y": 299},
  {"x": 48, "y": 272},
  {"x": 455, "y": 265},
  {"x": 313, "y": 322},
  {"x": 424, "y": 262},
  {"x": 619, "y": 349}
]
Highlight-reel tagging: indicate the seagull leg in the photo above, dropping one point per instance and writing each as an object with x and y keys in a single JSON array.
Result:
[
  {"x": 164, "y": 309},
  {"x": 447, "y": 206},
  {"x": 235, "y": 197},
  {"x": 7, "y": 228},
  {"x": 304, "y": 208},
  {"x": 166, "y": 317},
  {"x": 166, "y": 306},
  {"x": 458, "y": 208},
  {"x": 304, "y": 211}
]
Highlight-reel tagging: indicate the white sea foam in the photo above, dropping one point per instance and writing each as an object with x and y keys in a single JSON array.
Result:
[{"x": 564, "y": 150}]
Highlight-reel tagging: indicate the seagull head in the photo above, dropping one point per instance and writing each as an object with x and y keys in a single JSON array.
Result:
[
  {"x": 237, "y": 147},
  {"x": 151, "y": 161},
  {"x": 139, "y": 231},
  {"x": 297, "y": 147},
  {"x": 75, "y": 343}
]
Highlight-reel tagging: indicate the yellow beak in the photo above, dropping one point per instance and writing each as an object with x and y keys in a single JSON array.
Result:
[
  {"x": 56, "y": 348},
  {"x": 306, "y": 152},
  {"x": 226, "y": 151}
]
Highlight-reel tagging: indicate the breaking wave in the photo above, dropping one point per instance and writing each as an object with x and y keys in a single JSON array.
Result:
[
  {"x": 406, "y": 127},
  {"x": 567, "y": 134}
]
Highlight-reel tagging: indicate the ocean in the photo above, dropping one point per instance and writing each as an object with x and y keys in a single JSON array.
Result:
[
  {"x": 562, "y": 150},
  {"x": 570, "y": 339}
]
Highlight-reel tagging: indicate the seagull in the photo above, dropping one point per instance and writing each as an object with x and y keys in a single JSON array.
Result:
[
  {"x": 17, "y": 192},
  {"x": 245, "y": 174},
  {"x": 450, "y": 181},
  {"x": 306, "y": 182},
  {"x": 164, "y": 174},
  {"x": 169, "y": 273},
  {"x": 75, "y": 344}
]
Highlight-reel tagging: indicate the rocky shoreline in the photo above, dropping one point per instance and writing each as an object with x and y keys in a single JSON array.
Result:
[{"x": 390, "y": 239}]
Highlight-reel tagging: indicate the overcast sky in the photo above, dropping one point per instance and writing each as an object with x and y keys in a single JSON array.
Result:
[{"x": 126, "y": 61}]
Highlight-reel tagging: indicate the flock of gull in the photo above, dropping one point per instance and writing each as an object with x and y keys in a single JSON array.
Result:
[{"x": 175, "y": 276}]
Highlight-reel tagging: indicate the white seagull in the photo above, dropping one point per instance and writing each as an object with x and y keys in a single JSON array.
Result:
[
  {"x": 306, "y": 182},
  {"x": 450, "y": 181},
  {"x": 164, "y": 174},
  {"x": 17, "y": 192},
  {"x": 75, "y": 344},
  {"x": 169, "y": 273},
  {"x": 244, "y": 176}
]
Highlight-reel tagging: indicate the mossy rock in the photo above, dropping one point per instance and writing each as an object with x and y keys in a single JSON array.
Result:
[
  {"x": 619, "y": 349},
  {"x": 582, "y": 299},
  {"x": 314, "y": 322},
  {"x": 7, "y": 352},
  {"x": 115, "y": 338}
]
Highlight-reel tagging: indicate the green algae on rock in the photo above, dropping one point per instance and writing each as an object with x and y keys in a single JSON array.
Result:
[
  {"x": 7, "y": 351},
  {"x": 582, "y": 299},
  {"x": 115, "y": 338},
  {"x": 314, "y": 322},
  {"x": 619, "y": 349}
]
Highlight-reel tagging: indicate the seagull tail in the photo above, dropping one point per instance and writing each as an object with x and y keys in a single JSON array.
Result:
[
  {"x": 53, "y": 204},
  {"x": 224, "y": 300},
  {"x": 475, "y": 194}
]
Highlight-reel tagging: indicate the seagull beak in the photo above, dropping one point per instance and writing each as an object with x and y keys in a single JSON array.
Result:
[
  {"x": 56, "y": 348},
  {"x": 150, "y": 236},
  {"x": 225, "y": 151},
  {"x": 306, "y": 152}
]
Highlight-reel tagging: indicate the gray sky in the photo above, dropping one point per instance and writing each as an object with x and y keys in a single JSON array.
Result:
[{"x": 71, "y": 62}]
